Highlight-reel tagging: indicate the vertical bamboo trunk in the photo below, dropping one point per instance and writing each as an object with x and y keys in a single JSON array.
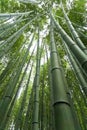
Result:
[
  {"x": 26, "y": 121},
  {"x": 62, "y": 108},
  {"x": 52, "y": 126},
  {"x": 35, "y": 121},
  {"x": 42, "y": 102}
]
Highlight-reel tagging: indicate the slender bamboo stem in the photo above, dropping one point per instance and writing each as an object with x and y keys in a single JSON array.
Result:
[
  {"x": 2, "y": 15},
  {"x": 35, "y": 121}
]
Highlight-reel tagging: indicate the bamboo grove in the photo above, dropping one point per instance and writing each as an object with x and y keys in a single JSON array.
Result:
[{"x": 43, "y": 65}]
